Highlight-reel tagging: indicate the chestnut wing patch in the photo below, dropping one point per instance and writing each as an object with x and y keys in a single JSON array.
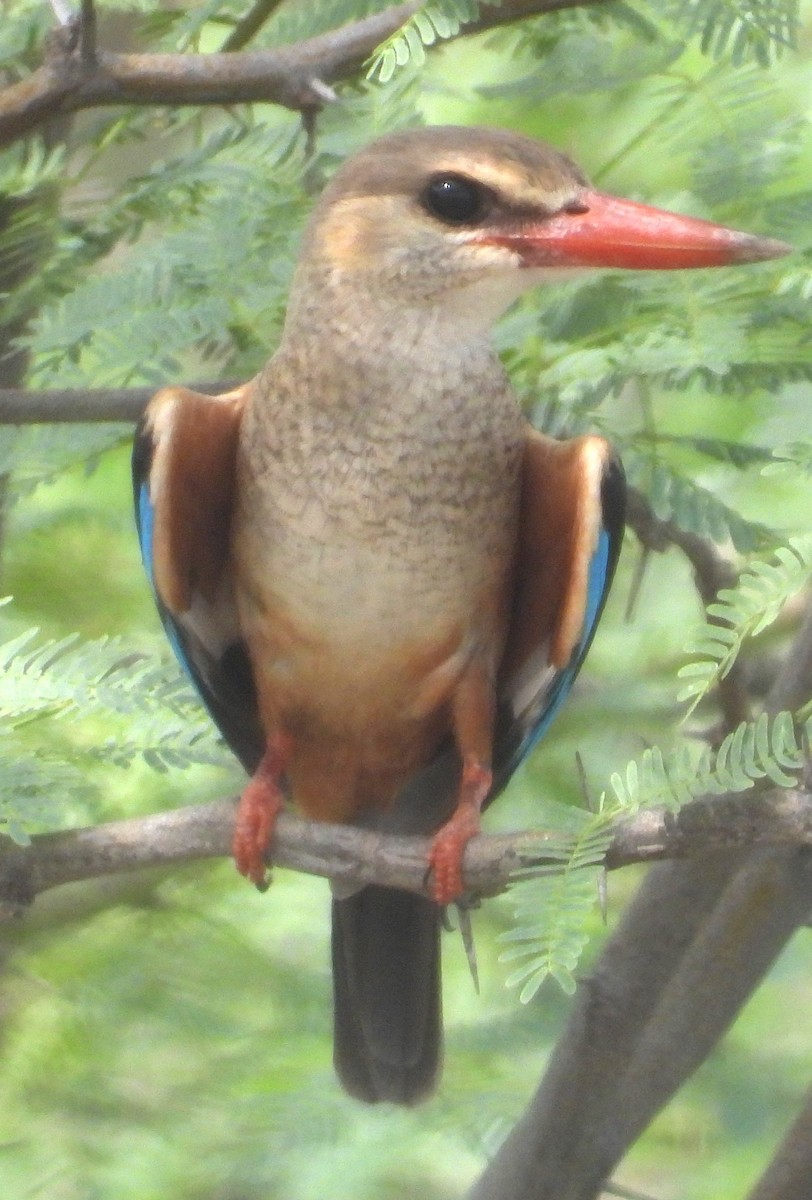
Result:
[
  {"x": 571, "y": 530},
  {"x": 184, "y": 457}
]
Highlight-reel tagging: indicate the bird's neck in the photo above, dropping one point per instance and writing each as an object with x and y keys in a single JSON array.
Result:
[{"x": 389, "y": 337}]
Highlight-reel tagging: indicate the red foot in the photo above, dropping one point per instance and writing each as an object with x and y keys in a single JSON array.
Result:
[
  {"x": 258, "y": 809},
  {"x": 448, "y": 844}
]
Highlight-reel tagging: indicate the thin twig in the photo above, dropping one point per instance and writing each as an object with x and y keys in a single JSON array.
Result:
[
  {"x": 249, "y": 25},
  {"x": 63, "y": 406},
  {"x": 87, "y": 35}
]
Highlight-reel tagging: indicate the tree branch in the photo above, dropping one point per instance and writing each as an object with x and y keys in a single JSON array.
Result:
[
  {"x": 359, "y": 856},
  {"x": 19, "y": 406},
  {"x": 713, "y": 571},
  {"x": 788, "y": 1175},
  {"x": 693, "y": 944},
  {"x": 295, "y": 76},
  {"x": 87, "y": 35},
  {"x": 67, "y": 83},
  {"x": 249, "y": 24},
  {"x": 636, "y": 1030}
]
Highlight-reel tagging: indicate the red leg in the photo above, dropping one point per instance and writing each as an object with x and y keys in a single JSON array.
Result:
[
  {"x": 448, "y": 844},
  {"x": 472, "y": 709},
  {"x": 258, "y": 809}
]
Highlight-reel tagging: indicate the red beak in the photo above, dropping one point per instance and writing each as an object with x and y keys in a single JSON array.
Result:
[{"x": 611, "y": 232}]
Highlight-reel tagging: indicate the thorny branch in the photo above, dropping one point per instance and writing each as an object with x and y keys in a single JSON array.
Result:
[
  {"x": 358, "y": 856},
  {"x": 77, "y": 74}
]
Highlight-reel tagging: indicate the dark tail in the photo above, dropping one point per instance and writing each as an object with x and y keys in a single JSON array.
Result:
[{"x": 386, "y": 995}]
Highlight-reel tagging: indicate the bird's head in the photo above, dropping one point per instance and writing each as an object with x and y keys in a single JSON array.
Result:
[{"x": 468, "y": 218}]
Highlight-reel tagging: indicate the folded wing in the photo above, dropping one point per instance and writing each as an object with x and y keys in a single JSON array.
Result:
[
  {"x": 572, "y": 521},
  {"x": 184, "y": 458}
]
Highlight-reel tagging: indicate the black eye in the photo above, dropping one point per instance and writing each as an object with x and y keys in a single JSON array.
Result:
[{"x": 456, "y": 200}]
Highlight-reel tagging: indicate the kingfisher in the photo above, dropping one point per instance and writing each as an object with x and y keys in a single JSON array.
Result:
[{"x": 381, "y": 579}]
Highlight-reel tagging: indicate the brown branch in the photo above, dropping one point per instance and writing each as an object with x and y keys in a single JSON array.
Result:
[
  {"x": 358, "y": 856},
  {"x": 65, "y": 406},
  {"x": 690, "y": 949},
  {"x": 508, "y": 11},
  {"x": 713, "y": 570},
  {"x": 793, "y": 684},
  {"x": 250, "y": 24},
  {"x": 288, "y": 76},
  {"x": 762, "y": 897},
  {"x": 292, "y": 76},
  {"x": 693, "y": 946},
  {"x": 87, "y": 35},
  {"x": 788, "y": 1175}
]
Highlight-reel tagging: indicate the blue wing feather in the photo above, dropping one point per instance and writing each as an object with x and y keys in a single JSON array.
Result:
[
  {"x": 145, "y": 524},
  {"x": 518, "y": 734}
]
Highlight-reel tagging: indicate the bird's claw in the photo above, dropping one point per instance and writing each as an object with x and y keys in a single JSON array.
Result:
[
  {"x": 448, "y": 844},
  {"x": 447, "y": 851},
  {"x": 257, "y": 811}
]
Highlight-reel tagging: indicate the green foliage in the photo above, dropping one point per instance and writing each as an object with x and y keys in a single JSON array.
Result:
[
  {"x": 143, "y": 705},
  {"x": 733, "y": 454},
  {"x": 798, "y": 283},
  {"x": 552, "y": 902},
  {"x": 68, "y": 677},
  {"x": 763, "y": 589},
  {"x": 791, "y": 460},
  {"x": 35, "y": 454},
  {"x": 743, "y": 29},
  {"x": 766, "y": 748},
  {"x": 135, "y": 324},
  {"x": 433, "y": 21},
  {"x": 36, "y": 787},
  {"x": 695, "y": 509}
]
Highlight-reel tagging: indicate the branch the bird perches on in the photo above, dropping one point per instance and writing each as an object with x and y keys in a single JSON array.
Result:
[{"x": 777, "y": 817}]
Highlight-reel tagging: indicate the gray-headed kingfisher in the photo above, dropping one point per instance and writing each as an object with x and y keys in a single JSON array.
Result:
[{"x": 381, "y": 579}]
